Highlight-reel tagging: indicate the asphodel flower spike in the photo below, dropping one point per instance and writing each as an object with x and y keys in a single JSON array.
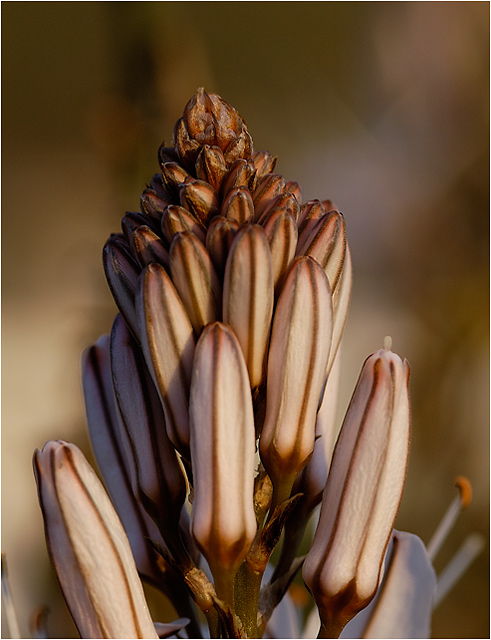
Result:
[
  {"x": 89, "y": 548},
  {"x": 223, "y": 520},
  {"x": 344, "y": 565},
  {"x": 298, "y": 355}
]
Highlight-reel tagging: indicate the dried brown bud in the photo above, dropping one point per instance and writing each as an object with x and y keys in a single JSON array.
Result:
[
  {"x": 211, "y": 166},
  {"x": 200, "y": 199}
]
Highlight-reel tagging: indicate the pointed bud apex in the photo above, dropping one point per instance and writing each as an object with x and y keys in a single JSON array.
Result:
[
  {"x": 148, "y": 248},
  {"x": 200, "y": 199},
  {"x": 264, "y": 163},
  {"x": 298, "y": 354},
  {"x": 310, "y": 212},
  {"x": 267, "y": 189},
  {"x": 153, "y": 204},
  {"x": 283, "y": 202},
  {"x": 363, "y": 491},
  {"x": 237, "y": 205},
  {"x": 209, "y": 120},
  {"x": 240, "y": 175},
  {"x": 248, "y": 297},
  {"x": 223, "y": 521},
  {"x": 176, "y": 219},
  {"x": 195, "y": 279},
  {"x": 88, "y": 547},
  {"x": 295, "y": 189},
  {"x": 211, "y": 166},
  {"x": 168, "y": 344},
  {"x": 326, "y": 243},
  {"x": 173, "y": 174}
]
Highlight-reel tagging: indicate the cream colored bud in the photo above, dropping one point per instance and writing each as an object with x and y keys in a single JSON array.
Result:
[
  {"x": 223, "y": 520},
  {"x": 298, "y": 355},
  {"x": 89, "y": 548},
  {"x": 248, "y": 297},
  {"x": 363, "y": 491},
  {"x": 281, "y": 232},
  {"x": 266, "y": 190},
  {"x": 195, "y": 279}
]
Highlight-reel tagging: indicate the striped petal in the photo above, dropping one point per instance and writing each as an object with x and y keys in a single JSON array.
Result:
[
  {"x": 89, "y": 548},
  {"x": 223, "y": 521},
  {"x": 300, "y": 344},
  {"x": 168, "y": 344},
  {"x": 195, "y": 279},
  {"x": 362, "y": 494},
  {"x": 248, "y": 297}
]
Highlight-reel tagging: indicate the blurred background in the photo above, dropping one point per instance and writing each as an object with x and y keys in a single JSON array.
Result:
[{"x": 381, "y": 106}]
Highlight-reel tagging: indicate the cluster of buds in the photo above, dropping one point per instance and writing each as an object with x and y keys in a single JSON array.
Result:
[{"x": 211, "y": 407}]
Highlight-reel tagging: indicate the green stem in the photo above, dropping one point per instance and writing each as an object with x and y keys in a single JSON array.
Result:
[{"x": 247, "y": 588}]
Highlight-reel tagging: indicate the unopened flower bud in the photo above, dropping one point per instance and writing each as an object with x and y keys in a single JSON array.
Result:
[
  {"x": 309, "y": 213},
  {"x": 149, "y": 248},
  {"x": 200, "y": 199},
  {"x": 237, "y": 205},
  {"x": 264, "y": 163},
  {"x": 362, "y": 495},
  {"x": 173, "y": 174},
  {"x": 298, "y": 354},
  {"x": 211, "y": 166},
  {"x": 89, "y": 548},
  {"x": 223, "y": 520},
  {"x": 267, "y": 189},
  {"x": 281, "y": 232},
  {"x": 122, "y": 275},
  {"x": 240, "y": 175},
  {"x": 176, "y": 219},
  {"x": 248, "y": 297},
  {"x": 195, "y": 279},
  {"x": 219, "y": 238},
  {"x": 168, "y": 344},
  {"x": 282, "y": 202},
  {"x": 153, "y": 204}
]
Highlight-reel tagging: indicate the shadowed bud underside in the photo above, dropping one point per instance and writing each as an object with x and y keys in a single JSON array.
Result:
[
  {"x": 223, "y": 521},
  {"x": 363, "y": 492},
  {"x": 88, "y": 547}
]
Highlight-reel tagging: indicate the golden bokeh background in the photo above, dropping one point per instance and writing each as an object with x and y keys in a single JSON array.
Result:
[{"x": 381, "y": 106}]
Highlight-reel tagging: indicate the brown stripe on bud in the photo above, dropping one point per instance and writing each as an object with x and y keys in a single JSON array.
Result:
[
  {"x": 211, "y": 166},
  {"x": 283, "y": 202},
  {"x": 240, "y": 175},
  {"x": 268, "y": 188},
  {"x": 310, "y": 212}
]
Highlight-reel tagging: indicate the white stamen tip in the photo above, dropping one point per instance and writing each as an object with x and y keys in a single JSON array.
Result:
[{"x": 387, "y": 343}]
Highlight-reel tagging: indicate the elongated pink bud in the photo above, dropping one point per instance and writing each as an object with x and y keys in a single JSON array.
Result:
[
  {"x": 248, "y": 297},
  {"x": 298, "y": 354},
  {"x": 168, "y": 344},
  {"x": 223, "y": 521},
  {"x": 195, "y": 279},
  {"x": 362, "y": 494},
  {"x": 89, "y": 548}
]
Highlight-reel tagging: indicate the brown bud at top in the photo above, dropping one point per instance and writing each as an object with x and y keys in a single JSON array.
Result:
[{"x": 209, "y": 120}]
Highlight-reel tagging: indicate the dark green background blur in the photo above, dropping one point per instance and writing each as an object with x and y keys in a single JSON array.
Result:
[{"x": 381, "y": 106}]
